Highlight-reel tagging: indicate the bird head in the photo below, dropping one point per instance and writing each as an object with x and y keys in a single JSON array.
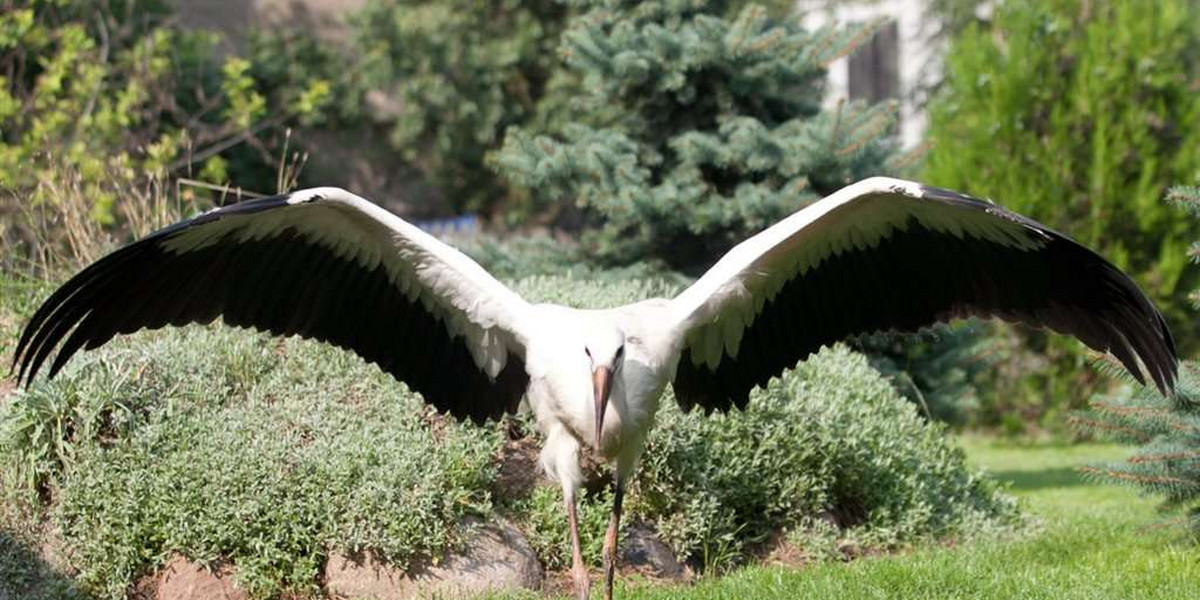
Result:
[{"x": 605, "y": 350}]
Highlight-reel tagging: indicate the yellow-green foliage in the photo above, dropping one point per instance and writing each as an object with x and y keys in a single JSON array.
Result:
[
  {"x": 112, "y": 95},
  {"x": 69, "y": 97}
]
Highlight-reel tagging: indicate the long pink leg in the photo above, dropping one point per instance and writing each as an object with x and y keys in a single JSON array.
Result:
[
  {"x": 610, "y": 540},
  {"x": 578, "y": 570}
]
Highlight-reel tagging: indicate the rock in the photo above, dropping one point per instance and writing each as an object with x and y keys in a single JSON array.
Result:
[
  {"x": 495, "y": 558},
  {"x": 644, "y": 552},
  {"x": 182, "y": 579}
]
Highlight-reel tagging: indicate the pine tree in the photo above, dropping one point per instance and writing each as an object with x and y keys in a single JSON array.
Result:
[
  {"x": 1168, "y": 462},
  {"x": 703, "y": 128}
]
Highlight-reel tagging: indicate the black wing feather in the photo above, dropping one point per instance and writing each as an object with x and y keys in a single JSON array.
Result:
[
  {"x": 284, "y": 283},
  {"x": 918, "y": 276}
]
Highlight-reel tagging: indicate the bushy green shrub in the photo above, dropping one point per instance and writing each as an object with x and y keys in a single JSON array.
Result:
[
  {"x": 526, "y": 256},
  {"x": 99, "y": 101},
  {"x": 80, "y": 90},
  {"x": 582, "y": 291},
  {"x": 831, "y": 438},
  {"x": 1081, "y": 114},
  {"x": 936, "y": 369},
  {"x": 221, "y": 445},
  {"x": 546, "y": 527}
]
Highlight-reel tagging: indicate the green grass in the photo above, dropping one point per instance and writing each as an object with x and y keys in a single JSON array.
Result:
[{"x": 1095, "y": 541}]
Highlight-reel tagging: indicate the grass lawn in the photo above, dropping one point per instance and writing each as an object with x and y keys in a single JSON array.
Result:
[{"x": 1092, "y": 543}]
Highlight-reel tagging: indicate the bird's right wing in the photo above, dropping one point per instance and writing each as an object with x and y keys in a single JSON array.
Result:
[
  {"x": 320, "y": 263},
  {"x": 887, "y": 254}
]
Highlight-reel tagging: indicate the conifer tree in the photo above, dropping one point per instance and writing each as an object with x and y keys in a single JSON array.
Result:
[
  {"x": 1168, "y": 462},
  {"x": 703, "y": 128}
]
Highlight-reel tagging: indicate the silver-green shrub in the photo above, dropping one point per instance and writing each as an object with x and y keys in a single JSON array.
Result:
[
  {"x": 269, "y": 454},
  {"x": 832, "y": 439}
]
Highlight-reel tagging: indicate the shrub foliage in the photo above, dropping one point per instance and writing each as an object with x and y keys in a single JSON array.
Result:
[
  {"x": 1078, "y": 114},
  {"x": 830, "y": 439},
  {"x": 100, "y": 100},
  {"x": 458, "y": 73},
  {"x": 224, "y": 446}
]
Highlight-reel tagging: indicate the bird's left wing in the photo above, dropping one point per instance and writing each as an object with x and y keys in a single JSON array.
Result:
[
  {"x": 887, "y": 254},
  {"x": 321, "y": 263}
]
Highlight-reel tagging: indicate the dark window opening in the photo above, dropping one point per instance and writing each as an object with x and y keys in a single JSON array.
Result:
[{"x": 874, "y": 69}]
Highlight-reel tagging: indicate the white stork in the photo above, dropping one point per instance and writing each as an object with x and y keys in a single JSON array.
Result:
[{"x": 882, "y": 254}]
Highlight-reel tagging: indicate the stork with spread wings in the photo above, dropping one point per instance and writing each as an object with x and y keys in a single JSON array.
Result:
[{"x": 882, "y": 254}]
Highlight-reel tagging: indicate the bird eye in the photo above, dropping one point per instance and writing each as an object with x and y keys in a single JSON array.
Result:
[
  {"x": 620, "y": 352},
  {"x": 587, "y": 351}
]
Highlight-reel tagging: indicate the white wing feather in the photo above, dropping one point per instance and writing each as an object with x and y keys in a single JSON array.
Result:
[{"x": 715, "y": 311}]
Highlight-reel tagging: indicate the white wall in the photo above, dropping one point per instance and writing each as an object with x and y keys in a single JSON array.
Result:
[
  {"x": 917, "y": 60},
  {"x": 235, "y": 18}
]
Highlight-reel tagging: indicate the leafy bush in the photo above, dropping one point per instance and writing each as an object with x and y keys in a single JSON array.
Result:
[
  {"x": 226, "y": 446},
  {"x": 548, "y": 532},
  {"x": 609, "y": 289},
  {"x": 1080, "y": 114},
  {"x": 103, "y": 100},
  {"x": 457, "y": 73},
  {"x": 830, "y": 437},
  {"x": 79, "y": 88},
  {"x": 936, "y": 369}
]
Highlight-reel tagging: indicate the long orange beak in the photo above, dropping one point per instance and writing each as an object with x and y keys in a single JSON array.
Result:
[{"x": 602, "y": 385}]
